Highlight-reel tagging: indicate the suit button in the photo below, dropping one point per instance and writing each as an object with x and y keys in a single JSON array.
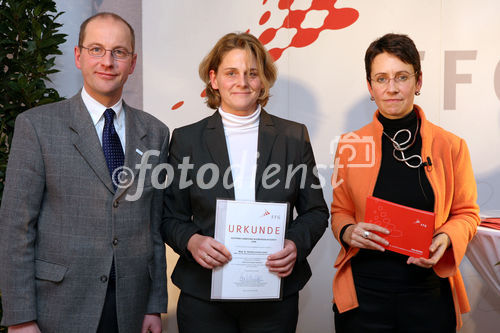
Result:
[
  {"x": 104, "y": 278},
  {"x": 115, "y": 241},
  {"x": 116, "y": 204}
]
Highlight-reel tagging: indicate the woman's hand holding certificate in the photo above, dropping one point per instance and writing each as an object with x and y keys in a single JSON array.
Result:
[
  {"x": 254, "y": 234},
  {"x": 208, "y": 252},
  {"x": 282, "y": 262}
]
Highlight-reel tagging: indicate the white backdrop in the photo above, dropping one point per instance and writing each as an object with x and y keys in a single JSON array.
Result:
[{"x": 323, "y": 85}]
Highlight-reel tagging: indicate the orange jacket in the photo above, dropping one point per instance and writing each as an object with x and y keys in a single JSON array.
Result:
[{"x": 357, "y": 162}]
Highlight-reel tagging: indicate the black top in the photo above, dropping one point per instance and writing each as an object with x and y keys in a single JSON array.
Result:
[
  {"x": 401, "y": 184},
  {"x": 192, "y": 209}
]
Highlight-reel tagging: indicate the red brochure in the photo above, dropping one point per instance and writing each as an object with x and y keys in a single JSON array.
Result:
[
  {"x": 491, "y": 222},
  {"x": 411, "y": 229}
]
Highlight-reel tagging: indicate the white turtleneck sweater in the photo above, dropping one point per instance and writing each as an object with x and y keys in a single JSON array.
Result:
[{"x": 241, "y": 138}]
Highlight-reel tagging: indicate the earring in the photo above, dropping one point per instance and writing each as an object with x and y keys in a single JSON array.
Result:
[
  {"x": 372, "y": 98},
  {"x": 417, "y": 93}
]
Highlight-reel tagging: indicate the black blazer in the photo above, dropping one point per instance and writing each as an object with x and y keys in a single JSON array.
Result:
[{"x": 191, "y": 209}]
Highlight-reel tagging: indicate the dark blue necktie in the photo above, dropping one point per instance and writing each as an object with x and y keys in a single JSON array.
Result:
[
  {"x": 111, "y": 146},
  {"x": 113, "y": 153}
]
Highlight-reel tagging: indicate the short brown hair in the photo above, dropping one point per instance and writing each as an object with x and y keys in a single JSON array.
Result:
[
  {"x": 245, "y": 41},
  {"x": 117, "y": 17},
  {"x": 398, "y": 45}
]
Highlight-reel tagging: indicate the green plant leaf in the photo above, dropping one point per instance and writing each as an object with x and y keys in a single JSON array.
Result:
[{"x": 29, "y": 42}]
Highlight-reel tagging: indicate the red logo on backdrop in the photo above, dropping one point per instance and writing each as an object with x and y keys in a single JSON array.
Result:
[
  {"x": 265, "y": 213},
  {"x": 337, "y": 18}
]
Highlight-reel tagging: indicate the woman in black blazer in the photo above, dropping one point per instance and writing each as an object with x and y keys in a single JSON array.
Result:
[{"x": 258, "y": 157}]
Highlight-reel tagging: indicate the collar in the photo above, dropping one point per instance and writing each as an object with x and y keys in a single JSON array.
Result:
[
  {"x": 96, "y": 109},
  {"x": 232, "y": 121},
  {"x": 417, "y": 109},
  {"x": 396, "y": 124}
]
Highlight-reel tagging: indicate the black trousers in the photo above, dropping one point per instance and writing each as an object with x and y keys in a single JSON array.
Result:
[
  {"x": 195, "y": 315},
  {"x": 426, "y": 310},
  {"x": 109, "y": 322}
]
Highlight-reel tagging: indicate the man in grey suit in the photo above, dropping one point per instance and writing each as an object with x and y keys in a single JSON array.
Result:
[{"x": 80, "y": 250}]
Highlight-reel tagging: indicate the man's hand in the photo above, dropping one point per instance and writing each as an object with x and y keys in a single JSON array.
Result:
[
  {"x": 29, "y": 327},
  {"x": 151, "y": 323}
]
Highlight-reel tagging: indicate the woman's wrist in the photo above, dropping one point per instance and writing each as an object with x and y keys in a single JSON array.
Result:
[{"x": 341, "y": 234}]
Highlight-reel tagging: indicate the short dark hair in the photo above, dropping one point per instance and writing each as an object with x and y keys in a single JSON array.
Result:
[
  {"x": 117, "y": 17},
  {"x": 398, "y": 45},
  {"x": 244, "y": 41}
]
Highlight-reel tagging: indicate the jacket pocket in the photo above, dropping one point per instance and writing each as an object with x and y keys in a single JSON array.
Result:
[{"x": 45, "y": 270}]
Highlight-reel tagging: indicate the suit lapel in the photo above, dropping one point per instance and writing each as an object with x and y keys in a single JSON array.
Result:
[
  {"x": 84, "y": 138},
  {"x": 265, "y": 143},
  {"x": 135, "y": 133},
  {"x": 216, "y": 145}
]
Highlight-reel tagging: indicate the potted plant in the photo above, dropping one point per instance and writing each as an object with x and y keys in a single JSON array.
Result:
[{"x": 29, "y": 42}]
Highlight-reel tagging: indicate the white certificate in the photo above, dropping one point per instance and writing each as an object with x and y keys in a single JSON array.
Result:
[{"x": 251, "y": 231}]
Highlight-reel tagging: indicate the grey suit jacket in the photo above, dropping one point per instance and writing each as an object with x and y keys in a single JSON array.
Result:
[
  {"x": 189, "y": 210},
  {"x": 61, "y": 223}
]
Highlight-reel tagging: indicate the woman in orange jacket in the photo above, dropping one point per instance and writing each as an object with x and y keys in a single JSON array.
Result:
[{"x": 415, "y": 164}]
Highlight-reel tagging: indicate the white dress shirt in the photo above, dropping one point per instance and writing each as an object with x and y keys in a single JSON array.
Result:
[{"x": 96, "y": 111}]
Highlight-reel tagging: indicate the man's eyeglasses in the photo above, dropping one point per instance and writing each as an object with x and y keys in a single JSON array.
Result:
[
  {"x": 99, "y": 52},
  {"x": 383, "y": 80}
]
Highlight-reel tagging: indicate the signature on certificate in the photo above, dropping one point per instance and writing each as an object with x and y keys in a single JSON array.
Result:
[{"x": 250, "y": 280}]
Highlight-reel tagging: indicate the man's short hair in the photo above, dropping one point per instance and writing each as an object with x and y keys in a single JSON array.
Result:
[{"x": 117, "y": 17}]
